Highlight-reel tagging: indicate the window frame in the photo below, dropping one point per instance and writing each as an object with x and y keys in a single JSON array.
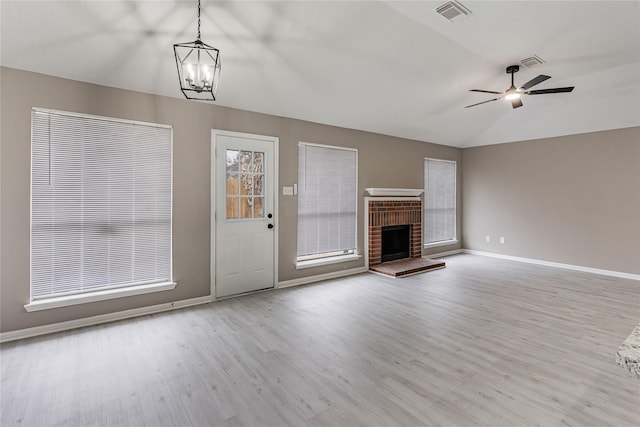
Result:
[
  {"x": 454, "y": 239},
  {"x": 335, "y": 256},
  {"x": 62, "y": 299}
]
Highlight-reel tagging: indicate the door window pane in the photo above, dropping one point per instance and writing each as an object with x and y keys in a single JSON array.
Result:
[
  {"x": 258, "y": 207},
  {"x": 257, "y": 185},
  {"x": 232, "y": 207},
  {"x": 245, "y": 180},
  {"x": 246, "y": 184},
  {"x": 232, "y": 161},
  {"x": 246, "y": 207},
  {"x": 258, "y": 162},
  {"x": 246, "y": 161}
]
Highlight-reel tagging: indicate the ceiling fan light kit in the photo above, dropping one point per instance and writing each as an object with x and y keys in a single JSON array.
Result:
[
  {"x": 514, "y": 93},
  {"x": 199, "y": 68}
]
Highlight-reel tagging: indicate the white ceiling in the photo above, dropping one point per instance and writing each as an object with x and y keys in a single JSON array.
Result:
[{"x": 395, "y": 68}]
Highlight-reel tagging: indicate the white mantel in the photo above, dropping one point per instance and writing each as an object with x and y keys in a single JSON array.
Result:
[{"x": 394, "y": 192}]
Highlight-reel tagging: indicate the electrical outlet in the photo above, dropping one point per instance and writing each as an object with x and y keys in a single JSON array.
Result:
[
  {"x": 488, "y": 238},
  {"x": 502, "y": 240}
]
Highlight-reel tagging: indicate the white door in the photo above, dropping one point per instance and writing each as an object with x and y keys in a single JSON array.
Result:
[{"x": 243, "y": 212}]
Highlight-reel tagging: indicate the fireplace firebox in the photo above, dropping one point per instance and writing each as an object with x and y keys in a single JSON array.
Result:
[
  {"x": 396, "y": 242},
  {"x": 392, "y": 211}
]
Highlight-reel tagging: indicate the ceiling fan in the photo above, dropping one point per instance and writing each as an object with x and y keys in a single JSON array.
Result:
[{"x": 513, "y": 94}]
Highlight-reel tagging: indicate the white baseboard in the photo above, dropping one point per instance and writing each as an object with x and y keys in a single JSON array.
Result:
[
  {"x": 441, "y": 254},
  {"x": 103, "y": 318},
  {"x": 557, "y": 265},
  {"x": 319, "y": 277}
]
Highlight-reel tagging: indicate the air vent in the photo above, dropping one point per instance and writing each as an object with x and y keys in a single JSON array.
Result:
[
  {"x": 532, "y": 61},
  {"x": 453, "y": 11}
]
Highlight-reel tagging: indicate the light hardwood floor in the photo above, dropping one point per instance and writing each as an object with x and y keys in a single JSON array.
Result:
[{"x": 483, "y": 342}]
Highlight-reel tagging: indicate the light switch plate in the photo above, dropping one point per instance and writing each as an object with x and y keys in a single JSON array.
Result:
[{"x": 287, "y": 191}]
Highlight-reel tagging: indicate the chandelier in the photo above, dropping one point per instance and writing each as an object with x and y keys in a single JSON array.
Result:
[{"x": 198, "y": 68}]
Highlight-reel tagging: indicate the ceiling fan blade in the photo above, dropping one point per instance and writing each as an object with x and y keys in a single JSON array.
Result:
[
  {"x": 485, "y": 91},
  {"x": 534, "y": 81},
  {"x": 516, "y": 103},
  {"x": 553, "y": 90},
  {"x": 483, "y": 102}
]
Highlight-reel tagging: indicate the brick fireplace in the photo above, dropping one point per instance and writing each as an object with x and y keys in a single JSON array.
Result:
[{"x": 392, "y": 211}]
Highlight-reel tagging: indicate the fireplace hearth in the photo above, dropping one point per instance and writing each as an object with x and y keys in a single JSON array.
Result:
[{"x": 394, "y": 232}]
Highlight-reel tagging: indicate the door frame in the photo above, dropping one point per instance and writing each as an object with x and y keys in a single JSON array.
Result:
[{"x": 275, "y": 141}]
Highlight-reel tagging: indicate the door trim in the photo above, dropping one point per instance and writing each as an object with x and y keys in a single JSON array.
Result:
[{"x": 276, "y": 196}]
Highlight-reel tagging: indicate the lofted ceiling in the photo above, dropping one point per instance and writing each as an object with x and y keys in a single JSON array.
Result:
[{"x": 391, "y": 67}]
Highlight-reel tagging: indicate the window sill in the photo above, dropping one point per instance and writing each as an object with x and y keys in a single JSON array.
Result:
[
  {"x": 56, "y": 302},
  {"x": 326, "y": 261},
  {"x": 443, "y": 243}
]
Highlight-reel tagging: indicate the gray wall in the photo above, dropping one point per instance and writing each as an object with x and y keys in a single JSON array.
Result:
[
  {"x": 383, "y": 162},
  {"x": 573, "y": 199}
]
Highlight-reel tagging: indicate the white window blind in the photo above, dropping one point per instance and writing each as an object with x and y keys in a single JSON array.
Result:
[
  {"x": 327, "y": 188},
  {"x": 100, "y": 203},
  {"x": 439, "y": 200}
]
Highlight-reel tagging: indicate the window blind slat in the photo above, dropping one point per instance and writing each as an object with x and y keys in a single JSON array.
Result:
[
  {"x": 327, "y": 187},
  {"x": 101, "y": 203}
]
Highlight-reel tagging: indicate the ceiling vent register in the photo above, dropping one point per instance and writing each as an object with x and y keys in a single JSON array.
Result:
[
  {"x": 532, "y": 61},
  {"x": 453, "y": 11}
]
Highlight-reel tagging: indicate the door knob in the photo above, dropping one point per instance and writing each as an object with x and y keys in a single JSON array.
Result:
[
  {"x": 270, "y": 226},
  {"x": 269, "y": 216}
]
